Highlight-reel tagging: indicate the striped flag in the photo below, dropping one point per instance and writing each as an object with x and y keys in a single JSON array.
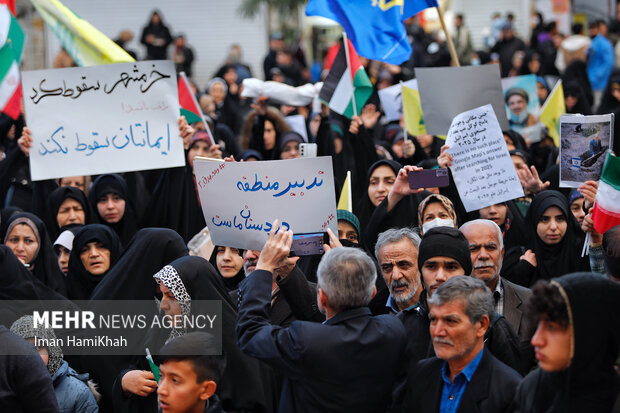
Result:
[
  {"x": 346, "y": 82},
  {"x": 189, "y": 105},
  {"x": 606, "y": 211},
  {"x": 84, "y": 43},
  {"x": 12, "y": 40}
]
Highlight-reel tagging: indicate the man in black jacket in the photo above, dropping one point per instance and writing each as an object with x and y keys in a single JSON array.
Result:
[
  {"x": 464, "y": 376},
  {"x": 348, "y": 363},
  {"x": 487, "y": 252}
]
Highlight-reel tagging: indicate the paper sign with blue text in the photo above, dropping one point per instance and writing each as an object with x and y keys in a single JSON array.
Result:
[
  {"x": 102, "y": 119},
  {"x": 240, "y": 200},
  {"x": 482, "y": 170}
]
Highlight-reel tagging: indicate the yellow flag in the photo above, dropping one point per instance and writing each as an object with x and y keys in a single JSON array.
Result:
[
  {"x": 553, "y": 108},
  {"x": 84, "y": 43},
  {"x": 412, "y": 111},
  {"x": 344, "y": 202}
]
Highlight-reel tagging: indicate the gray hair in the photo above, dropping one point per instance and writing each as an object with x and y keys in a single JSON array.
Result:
[
  {"x": 395, "y": 235},
  {"x": 347, "y": 276},
  {"x": 476, "y": 295},
  {"x": 488, "y": 223}
]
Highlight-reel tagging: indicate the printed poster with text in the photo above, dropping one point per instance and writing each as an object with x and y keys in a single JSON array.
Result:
[
  {"x": 483, "y": 171},
  {"x": 102, "y": 119},
  {"x": 240, "y": 200}
]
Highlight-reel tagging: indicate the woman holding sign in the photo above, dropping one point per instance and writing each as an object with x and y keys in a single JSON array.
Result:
[{"x": 553, "y": 246}]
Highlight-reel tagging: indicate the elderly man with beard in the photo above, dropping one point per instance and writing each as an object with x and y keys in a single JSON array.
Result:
[
  {"x": 487, "y": 252},
  {"x": 464, "y": 376},
  {"x": 397, "y": 253}
]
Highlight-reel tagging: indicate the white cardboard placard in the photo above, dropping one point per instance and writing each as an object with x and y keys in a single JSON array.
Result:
[
  {"x": 102, "y": 119},
  {"x": 240, "y": 200},
  {"x": 482, "y": 170}
]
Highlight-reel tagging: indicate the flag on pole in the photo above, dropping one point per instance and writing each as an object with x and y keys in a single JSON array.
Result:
[
  {"x": 344, "y": 202},
  {"x": 375, "y": 27},
  {"x": 551, "y": 111},
  {"x": 412, "y": 111},
  {"x": 12, "y": 39},
  {"x": 345, "y": 82},
  {"x": 606, "y": 211},
  {"x": 189, "y": 105},
  {"x": 84, "y": 43}
]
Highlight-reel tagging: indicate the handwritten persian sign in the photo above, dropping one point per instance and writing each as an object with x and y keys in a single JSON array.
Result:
[
  {"x": 240, "y": 200},
  {"x": 102, "y": 119},
  {"x": 483, "y": 171}
]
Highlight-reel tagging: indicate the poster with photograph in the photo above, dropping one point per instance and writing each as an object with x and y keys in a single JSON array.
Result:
[
  {"x": 523, "y": 106},
  {"x": 584, "y": 141}
]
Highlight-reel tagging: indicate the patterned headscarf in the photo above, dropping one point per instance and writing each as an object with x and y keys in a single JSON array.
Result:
[
  {"x": 169, "y": 277},
  {"x": 24, "y": 327}
]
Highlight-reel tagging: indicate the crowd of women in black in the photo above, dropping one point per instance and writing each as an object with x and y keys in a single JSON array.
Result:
[{"x": 105, "y": 237}]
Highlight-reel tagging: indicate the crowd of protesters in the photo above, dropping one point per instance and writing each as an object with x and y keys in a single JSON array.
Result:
[{"x": 416, "y": 306}]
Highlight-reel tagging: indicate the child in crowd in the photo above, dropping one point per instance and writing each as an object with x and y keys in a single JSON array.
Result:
[{"x": 188, "y": 377}]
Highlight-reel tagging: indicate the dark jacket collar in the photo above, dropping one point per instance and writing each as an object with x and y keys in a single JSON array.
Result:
[{"x": 349, "y": 314}]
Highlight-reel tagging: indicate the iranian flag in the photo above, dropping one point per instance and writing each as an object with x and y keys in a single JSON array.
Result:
[
  {"x": 189, "y": 105},
  {"x": 606, "y": 211},
  {"x": 345, "y": 82},
  {"x": 12, "y": 40}
]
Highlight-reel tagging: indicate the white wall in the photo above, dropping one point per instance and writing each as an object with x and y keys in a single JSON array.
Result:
[
  {"x": 478, "y": 13},
  {"x": 210, "y": 27}
]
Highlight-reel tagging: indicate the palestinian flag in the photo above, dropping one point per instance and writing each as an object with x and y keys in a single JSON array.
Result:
[
  {"x": 12, "y": 40},
  {"x": 346, "y": 82},
  {"x": 189, "y": 105},
  {"x": 606, "y": 211}
]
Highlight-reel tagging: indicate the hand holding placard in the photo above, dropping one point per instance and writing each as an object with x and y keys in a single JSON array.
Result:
[
  {"x": 299, "y": 192},
  {"x": 482, "y": 169}
]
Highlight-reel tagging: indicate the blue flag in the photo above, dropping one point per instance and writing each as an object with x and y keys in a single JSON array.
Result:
[{"x": 375, "y": 27}]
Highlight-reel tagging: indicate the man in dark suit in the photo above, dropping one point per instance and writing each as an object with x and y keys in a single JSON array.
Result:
[
  {"x": 487, "y": 251},
  {"x": 464, "y": 377},
  {"x": 348, "y": 363}
]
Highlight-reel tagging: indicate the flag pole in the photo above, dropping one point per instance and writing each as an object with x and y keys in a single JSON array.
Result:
[
  {"x": 350, "y": 203},
  {"x": 211, "y": 136},
  {"x": 404, "y": 118},
  {"x": 345, "y": 42},
  {"x": 455, "y": 58}
]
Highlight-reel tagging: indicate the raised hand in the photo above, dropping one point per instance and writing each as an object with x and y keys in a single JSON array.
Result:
[
  {"x": 445, "y": 160},
  {"x": 401, "y": 186},
  {"x": 276, "y": 250},
  {"x": 25, "y": 141},
  {"x": 530, "y": 181},
  {"x": 369, "y": 116},
  {"x": 185, "y": 131}
]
